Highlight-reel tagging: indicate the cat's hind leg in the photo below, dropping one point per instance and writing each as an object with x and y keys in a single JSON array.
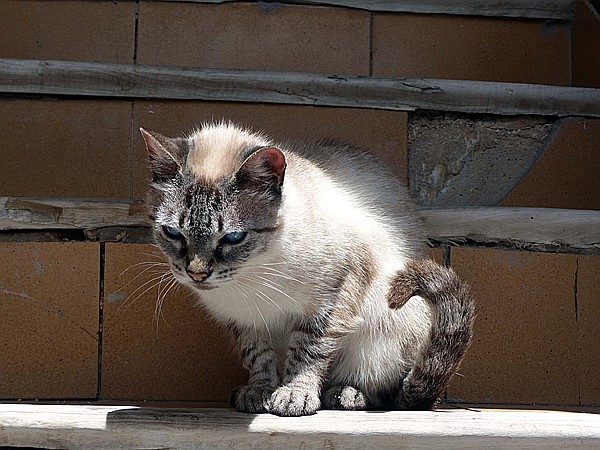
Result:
[{"x": 344, "y": 397}]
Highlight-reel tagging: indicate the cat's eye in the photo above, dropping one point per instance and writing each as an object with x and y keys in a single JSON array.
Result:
[
  {"x": 172, "y": 232},
  {"x": 234, "y": 238}
]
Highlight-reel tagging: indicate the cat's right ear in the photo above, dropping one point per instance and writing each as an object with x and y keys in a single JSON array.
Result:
[{"x": 164, "y": 155}]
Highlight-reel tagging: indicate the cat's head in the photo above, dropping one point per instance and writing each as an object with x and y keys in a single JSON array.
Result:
[{"x": 214, "y": 201}]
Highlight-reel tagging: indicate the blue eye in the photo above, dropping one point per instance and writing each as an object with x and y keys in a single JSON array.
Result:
[
  {"x": 234, "y": 238},
  {"x": 172, "y": 232}
]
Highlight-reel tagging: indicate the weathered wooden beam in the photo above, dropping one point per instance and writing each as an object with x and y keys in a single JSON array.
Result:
[
  {"x": 556, "y": 228},
  {"x": 86, "y": 426},
  {"x": 21, "y": 213},
  {"x": 137, "y": 81},
  {"x": 530, "y": 9}
]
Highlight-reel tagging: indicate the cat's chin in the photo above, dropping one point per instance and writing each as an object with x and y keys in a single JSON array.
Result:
[{"x": 204, "y": 286}]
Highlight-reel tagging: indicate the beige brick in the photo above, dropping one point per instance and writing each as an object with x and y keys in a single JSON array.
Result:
[
  {"x": 585, "y": 46},
  {"x": 566, "y": 176},
  {"x": 470, "y": 48},
  {"x": 65, "y": 148},
  {"x": 588, "y": 294},
  {"x": 174, "y": 353},
  {"x": 525, "y": 343},
  {"x": 254, "y": 37},
  {"x": 67, "y": 30},
  {"x": 49, "y": 320},
  {"x": 383, "y": 132},
  {"x": 437, "y": 254}
]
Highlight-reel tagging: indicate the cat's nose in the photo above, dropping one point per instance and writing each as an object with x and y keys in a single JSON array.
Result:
[{"x": 199, "y": 276}]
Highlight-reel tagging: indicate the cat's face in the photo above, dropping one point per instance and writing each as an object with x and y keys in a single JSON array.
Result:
[{"x": 211, "y": 228}]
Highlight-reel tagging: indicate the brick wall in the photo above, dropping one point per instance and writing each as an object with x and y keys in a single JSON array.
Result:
[{"x": 78, "y": 320}]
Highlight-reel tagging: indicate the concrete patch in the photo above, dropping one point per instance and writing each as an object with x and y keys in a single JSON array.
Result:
[{"x": 462, "y": 160}]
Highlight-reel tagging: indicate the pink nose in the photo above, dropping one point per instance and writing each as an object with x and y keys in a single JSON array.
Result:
[{"x": 199, "y": 277}]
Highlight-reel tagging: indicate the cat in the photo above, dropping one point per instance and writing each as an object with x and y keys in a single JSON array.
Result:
[{"x": 312, "y": 256}]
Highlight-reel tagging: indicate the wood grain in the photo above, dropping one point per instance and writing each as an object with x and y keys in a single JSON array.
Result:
[
  {"x": 401, "y": 94},
  {"x": 577, "y": 229},
  {"x": 22, "y": 213},
  {"x": 572, "y": 229},
  {"x": 531, "y": 9},
  {"x": 86, "y": 426}
]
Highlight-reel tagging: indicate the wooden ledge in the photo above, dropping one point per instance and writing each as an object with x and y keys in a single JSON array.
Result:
[
  {"x": 70, "y": 78},
  {"x": 540, "y": 229},
  {"x": 531, "y": 9},
  {"x": 81, "y": 426}
]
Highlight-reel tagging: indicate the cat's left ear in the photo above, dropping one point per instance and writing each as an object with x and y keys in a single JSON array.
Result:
[{"x": 265, "y": 168}]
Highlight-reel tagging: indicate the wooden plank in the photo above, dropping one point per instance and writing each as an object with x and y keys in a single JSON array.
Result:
[
  {"x": 20, "y": 213},
  {"x": 577, "y": 229},
  {"x": 403, "y": 94},
  {"x": 531, "y": 9},
  {"x": 86, "y": 426},
  {"x": 574, "y": 229}
]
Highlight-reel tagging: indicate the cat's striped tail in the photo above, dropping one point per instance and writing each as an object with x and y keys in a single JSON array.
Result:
[{"x": 451, "y": 331}]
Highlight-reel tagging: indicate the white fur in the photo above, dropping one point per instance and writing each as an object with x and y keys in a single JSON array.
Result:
[
  {"x": 333, "y": 205},
  {"x": 317, "y": 210}
]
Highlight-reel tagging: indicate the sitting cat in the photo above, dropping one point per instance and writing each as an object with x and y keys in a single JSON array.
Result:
[{"x": 313, "y": 257}]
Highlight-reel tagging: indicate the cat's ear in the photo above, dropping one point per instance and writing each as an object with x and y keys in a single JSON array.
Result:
[
  {"x": 165, "y": 155},
  {"x": 263, "y": 170}
]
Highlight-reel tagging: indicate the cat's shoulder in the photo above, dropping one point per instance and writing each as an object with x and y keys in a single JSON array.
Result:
[{"x": 332, "y": 153}]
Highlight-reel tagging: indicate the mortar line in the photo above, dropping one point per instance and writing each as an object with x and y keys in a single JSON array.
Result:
[
  {"x": 575, "y": 296},
  {"x": 132, "y": 152},
  {"x": 132, "y": 132},
  {"x": 371, "y": 20},
  {"x": 135, "y": 30},
  {"x": 101, "y": 318}
]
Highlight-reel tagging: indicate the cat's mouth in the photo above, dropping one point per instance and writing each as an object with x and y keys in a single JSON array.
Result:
[{"x": 196, "y": 284}]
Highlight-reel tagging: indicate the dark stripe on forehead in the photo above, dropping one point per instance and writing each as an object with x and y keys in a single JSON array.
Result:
[{"x": 203, "y": 203}]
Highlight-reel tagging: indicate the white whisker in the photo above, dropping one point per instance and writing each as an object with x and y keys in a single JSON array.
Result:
[
  {"x": 143, "y": 263},
  {"x": 258, "y": 310},
  {"x": 263, "y": 296},
  {"x": 268, "y": 299},
  {"x": 272, "y": 285},
  {"x": 263, "y": 268},
  {"x": 154, "y": 284},
  {"x": 246, "y": 302},
  {"x": 147, "y": 269},
  {"x": 274, "y": 274},
  {"x": 162, "y": 293}
]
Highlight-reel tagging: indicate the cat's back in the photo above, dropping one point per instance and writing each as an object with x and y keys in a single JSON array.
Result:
[
  {"x": 360, "y": 174},
  {"x": 350, "y": 184}
]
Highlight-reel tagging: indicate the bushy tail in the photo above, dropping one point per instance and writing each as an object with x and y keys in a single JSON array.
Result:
[{"x": 452, "y": 328}]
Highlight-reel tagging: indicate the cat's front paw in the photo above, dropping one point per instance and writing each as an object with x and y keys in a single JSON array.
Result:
[
  {"x": 294, "y": 401},
  {"x": 251, "y": 399}
]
